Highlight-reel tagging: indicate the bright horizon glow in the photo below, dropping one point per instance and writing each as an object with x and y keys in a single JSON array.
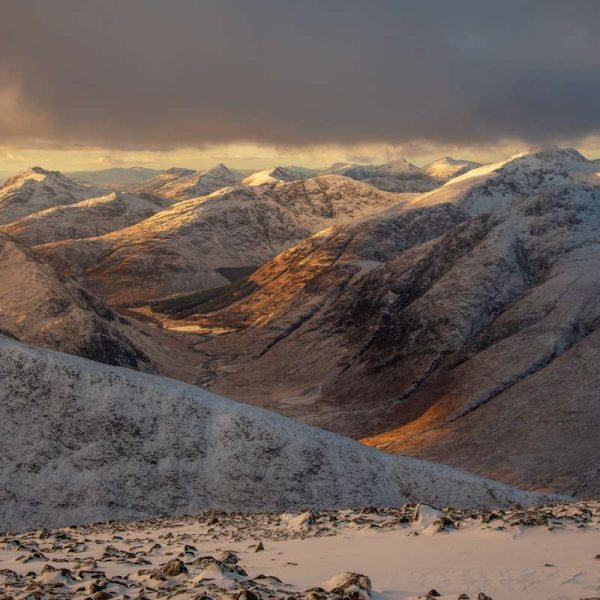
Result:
[{"x": 255, "y": 157}]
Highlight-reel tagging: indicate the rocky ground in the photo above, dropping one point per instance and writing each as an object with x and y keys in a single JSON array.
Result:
[{"x": 254, "y": 556}]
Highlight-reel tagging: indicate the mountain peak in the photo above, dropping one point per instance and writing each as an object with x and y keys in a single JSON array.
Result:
[
  {"x": 401, "y": 161},
  {"x": 446, "y": 168},
  {"x": 448, "y": 160},
  {"x": 183, "y": 184},
  {"x": 219, "y": 169},
  {"x": 279, "y": 174},
  {"x": 30, "y": 171},
  {"x": 35, "y": 173},
  {"x": 39, "y": 170},
  {"x": 552, "y": 153}
]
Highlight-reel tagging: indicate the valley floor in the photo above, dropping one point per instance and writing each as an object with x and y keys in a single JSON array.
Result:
[{"x": 550, "y": 553}]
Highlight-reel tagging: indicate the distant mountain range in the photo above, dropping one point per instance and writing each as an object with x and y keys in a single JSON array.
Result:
[
  {"x": 114, "y": 176},
  {"x": 151, "y": 180},
  {"x": 180, "y": 184}
]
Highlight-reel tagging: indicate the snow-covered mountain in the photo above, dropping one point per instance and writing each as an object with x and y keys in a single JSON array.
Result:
[
  {"x": 83, "y": 442},
  {"x": 186, "y": 185},
  {"x": 447, "y": 168},
  {"x": 493, "y": 186},
  {"x": 40, "y": 307},
  {"x": 395, "y": 176},
  {"x": 328, "y": 200},
  {"x": 361, "y": 172},
  {"x": 278, "y": 175},
  {"x": 151, "y": 186},
  {"x": 185, "y": 247},
  {"x": 87, "y": 218},
  {"x": 36, "y": 189},
  {"x": 460, "y": 326}
]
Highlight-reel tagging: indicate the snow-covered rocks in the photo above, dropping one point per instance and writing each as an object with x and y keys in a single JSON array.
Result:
[
  {"x": 363, "y": 554},
  {"x": 427, "y": 518},
  {"x": 299, "y": 522},
  {"x": 350, "y": 585}
]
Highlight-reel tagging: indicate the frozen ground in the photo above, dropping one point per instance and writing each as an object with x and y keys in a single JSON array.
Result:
[{"x": 546, "y": 553}]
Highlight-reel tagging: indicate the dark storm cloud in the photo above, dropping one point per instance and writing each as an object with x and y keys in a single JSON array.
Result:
[{"x": 172, "y": 73}]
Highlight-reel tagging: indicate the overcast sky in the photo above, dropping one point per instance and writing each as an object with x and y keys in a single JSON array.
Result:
[{"x": 108, "y": 82}]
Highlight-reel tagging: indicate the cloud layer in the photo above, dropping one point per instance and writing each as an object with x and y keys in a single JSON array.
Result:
[{"x": 158, "y": 74}]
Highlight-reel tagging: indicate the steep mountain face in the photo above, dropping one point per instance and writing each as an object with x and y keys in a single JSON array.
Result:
[
  {"x": 36, "y": 189},
  {"x": 447, "y": 168},
  {"x": 185, "y": 247},
  {"x": 279, "y": 174},
  {"x": 40, "y": 307},
  {"x": 464, "y": 345},
  {"x": 83, "y": 442},
  {"x": 297, "y": 283},
  {"x": 194, "y": 184},
  {"x": 88, "y": 218}
]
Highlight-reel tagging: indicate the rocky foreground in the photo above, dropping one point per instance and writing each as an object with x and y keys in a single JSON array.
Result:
[{"x": 244, "y": 556}]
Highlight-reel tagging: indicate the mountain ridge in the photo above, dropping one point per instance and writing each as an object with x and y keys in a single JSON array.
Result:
[
  {"x": 183, "y": 247},
  {"x": 160, "y": 442},
  {"x": 87, "y": 218}
]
